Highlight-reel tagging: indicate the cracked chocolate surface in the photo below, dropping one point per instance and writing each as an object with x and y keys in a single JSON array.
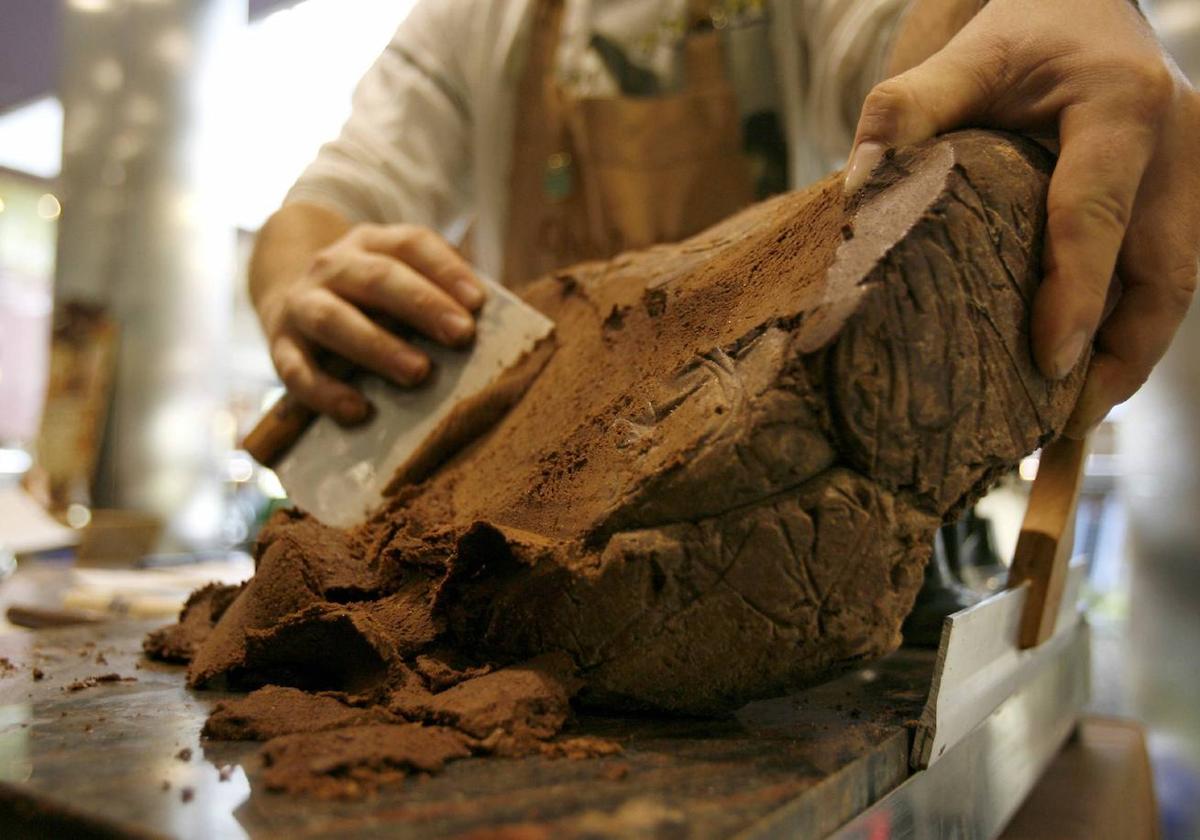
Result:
[{"x": 723, "y": 484}]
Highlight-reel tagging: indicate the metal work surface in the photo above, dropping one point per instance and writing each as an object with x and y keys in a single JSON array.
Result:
[
  {"x": 975, "y": 788},
  {"x": 106, "y": 761}
]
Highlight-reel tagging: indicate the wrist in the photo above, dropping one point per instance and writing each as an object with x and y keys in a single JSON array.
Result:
[
  {"x": 284, "y": 251},
  {"x": 925, "y": 27}
]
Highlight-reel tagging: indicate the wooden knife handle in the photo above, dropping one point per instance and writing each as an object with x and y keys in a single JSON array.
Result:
[
  {"x": 278, "y": 430},
  {"x": 1043, "y": 553},
  {"x": 284, "y": 422}
]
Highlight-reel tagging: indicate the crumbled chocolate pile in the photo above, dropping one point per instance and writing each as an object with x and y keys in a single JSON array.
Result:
[{"x": 722, "y": 485}]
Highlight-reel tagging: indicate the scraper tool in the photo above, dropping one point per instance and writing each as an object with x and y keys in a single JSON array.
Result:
[{"x": 341, "y": 474}]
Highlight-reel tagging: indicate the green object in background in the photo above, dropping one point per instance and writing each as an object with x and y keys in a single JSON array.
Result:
[{"x": 558, "y": 176}]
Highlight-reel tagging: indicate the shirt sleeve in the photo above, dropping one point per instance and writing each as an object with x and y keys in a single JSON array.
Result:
[
  {"x": 845, "y": 44},
  {"x": 403, "y": 155}
]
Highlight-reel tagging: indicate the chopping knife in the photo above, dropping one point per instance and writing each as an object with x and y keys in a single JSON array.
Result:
[{"x": 340, "y": 474}]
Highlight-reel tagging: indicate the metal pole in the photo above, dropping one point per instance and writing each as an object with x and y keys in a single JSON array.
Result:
[{"x": 140, "y": 83}]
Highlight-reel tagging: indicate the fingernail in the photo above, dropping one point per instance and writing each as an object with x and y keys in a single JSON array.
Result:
[
  {"x": 863, "y": 160},
  {"x": 353, "y": 410},
  {"x": 413, "y": 366},
  {"x": 469, "y": 294},
  {"x": 457, "y": 327},
  {"x": 1068, "y": 353}
]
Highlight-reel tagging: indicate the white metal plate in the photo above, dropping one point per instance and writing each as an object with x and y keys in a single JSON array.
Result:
[
  {"x": 338, "y": 474},
  {"x": 980, "y": 664}
]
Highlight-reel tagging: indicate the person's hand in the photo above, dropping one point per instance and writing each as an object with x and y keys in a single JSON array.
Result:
[
  {"x": 407, "y": 273},
  {"x": 1125, "y": 193}
]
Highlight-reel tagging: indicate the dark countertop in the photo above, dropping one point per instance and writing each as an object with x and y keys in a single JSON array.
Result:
[{"x": 102, "y": 761}]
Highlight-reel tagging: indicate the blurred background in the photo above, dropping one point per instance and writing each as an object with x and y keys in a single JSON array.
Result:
[{"x": 142, "y": 143}]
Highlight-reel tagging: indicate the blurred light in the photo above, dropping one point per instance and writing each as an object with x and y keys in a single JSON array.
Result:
[
  {"x": 14, "y": 461},
  {"x": 239, "y": 468},
  {"x": 141, "y": 110},
  {"x": 2, "y": 205},
  {"x": 127, "y": 145},
  {"x": 108, "y": 75},
  {"x": 31, "y": 138},
  {"x": 48, "y": 206},
  {"x": 271, "y": 397},
  {"x": 224, "y": 427},
  {"x": 1028, "y": 469},
  {"x": 91, "y": 5},
  {"x": 113, "y": 174},
  {"x": 269, "y": 484},
  {"x": 78, "y": 516},
  {"x": 1171, "y": 18},
  {"x": 174, "y": 46}
]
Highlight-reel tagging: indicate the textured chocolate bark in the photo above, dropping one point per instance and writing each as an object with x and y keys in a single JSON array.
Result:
[{"x": 722, "y": 485}]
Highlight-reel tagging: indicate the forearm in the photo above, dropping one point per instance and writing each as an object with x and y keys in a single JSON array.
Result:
[
  {"x": 927, "y": 26},
  {"x": 286, "y": 245}
]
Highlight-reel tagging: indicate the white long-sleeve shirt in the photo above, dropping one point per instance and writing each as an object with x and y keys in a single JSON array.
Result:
[{"x": 429, "y": 138}]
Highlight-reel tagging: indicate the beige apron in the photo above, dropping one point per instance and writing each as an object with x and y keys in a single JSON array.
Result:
[{"x": 594, "y": 176}]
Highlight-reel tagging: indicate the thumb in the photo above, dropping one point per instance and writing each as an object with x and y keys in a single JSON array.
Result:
[{"x": 942, "y": 93}]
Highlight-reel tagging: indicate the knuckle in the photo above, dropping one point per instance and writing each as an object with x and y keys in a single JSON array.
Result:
[
  {"x": 372, "y": 275},
  {"x": 1077, "y": 215},
  {"x": 291, "y": 371},
  {"x": 381, "y": 347},
  {"x": 406, "y": 235},
  {"x": 882, "y": 109},
  {"x": 1149, "y": 89},
  {"x": 1133, "y": 377},
  {"x": 422, "y": 300},
  {"x": 1180, "y": 288},
  {"x": 422, "y": 235},
  {"x": 324, "y": 263},
  {"x": 320, "y": 314},
  {"x": 1157, "y": 84},
  {"x": 358, "y": 235}
]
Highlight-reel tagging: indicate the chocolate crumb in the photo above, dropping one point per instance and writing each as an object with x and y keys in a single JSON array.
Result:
[
  {"x": 614, "y": 772},
  {"x": 38, "y": 674},
  {"x": 225, "y": 773},
  {"x": 91, "y": 682},
  {"x": 184, "y": 754},
  {"x": 187, "y": 794}
]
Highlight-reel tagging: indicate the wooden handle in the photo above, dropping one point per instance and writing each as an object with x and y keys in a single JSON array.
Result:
[
  {"x": 278, "y": 430},
  {"x": 37, "y": 618},
  {"x": 1043, "y": 552},
  {"x": 284, "y": 422}
]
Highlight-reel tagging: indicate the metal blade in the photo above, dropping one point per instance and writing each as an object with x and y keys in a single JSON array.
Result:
[
  {"x": 981, "y": 663},
  {"x": 339, "y": 474}
]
